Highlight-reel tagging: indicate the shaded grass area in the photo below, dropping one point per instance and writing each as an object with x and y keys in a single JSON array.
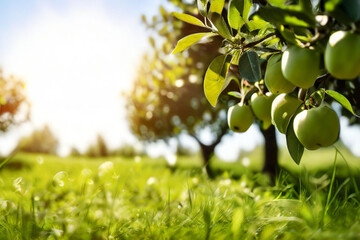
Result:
[
  {"x": 46, "y": 197},
  {"x": 313, "y": 162}
]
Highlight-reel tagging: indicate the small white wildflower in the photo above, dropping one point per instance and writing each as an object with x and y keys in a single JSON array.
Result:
[
  {"x": 152, "y": 181},
  {"x": 245, "y": 162}
]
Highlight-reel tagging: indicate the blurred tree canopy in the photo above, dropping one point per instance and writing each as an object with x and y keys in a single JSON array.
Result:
[
  {"x": 40, "y": 141},
  {"x": 14, "y": 109},
  {"x": 167, "y": 98},
  {"x": 98, "y": 149}
]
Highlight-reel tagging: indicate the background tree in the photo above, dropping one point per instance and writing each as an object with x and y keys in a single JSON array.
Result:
[
  {"x": 14, "y": 109},
  {"x": 74, "y": 152},
  {"x": 128, "y": 151},
  {"x": 40, "y": 141},
  {"x": 99, "y": 149},
  {"x": 168, "y": 97}
]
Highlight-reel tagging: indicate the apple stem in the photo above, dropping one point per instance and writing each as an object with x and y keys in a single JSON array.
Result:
[
  {"x": 302, "y": 94},
  {"x": 313, "y": 39}
]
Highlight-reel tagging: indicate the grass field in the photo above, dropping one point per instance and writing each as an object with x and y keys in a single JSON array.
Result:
[{"x": 46, "y": 197}]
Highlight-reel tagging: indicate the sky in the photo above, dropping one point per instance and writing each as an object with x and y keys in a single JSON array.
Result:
[{"x": 76, "y": 58}]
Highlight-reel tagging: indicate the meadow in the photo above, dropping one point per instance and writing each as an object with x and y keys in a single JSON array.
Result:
[{"x": 47, "y": 197}]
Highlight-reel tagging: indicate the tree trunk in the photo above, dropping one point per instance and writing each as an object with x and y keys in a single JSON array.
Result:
[
  {"x": 271, "y": 164},
  {"x": 207, "y": 151}
]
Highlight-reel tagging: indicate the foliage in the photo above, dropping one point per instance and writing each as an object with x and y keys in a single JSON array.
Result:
[
  {"x": 253, "y": 31},
  {"x": 14, "y": 109},
  {"x": 40, "y": 141},
  {"x": 73, "y": 198}
]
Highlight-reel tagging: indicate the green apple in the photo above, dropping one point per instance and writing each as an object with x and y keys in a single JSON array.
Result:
[
  {"x": 240, "y": 117},
  {"x": 274, "y": 79},
  {"x": 300, "y": 66},
  {"x": 283, "y": 107},
  {"x": 317, "y": 127},
  {"x": 342, "y": 55},
  {"x": 261, "y": 106}
]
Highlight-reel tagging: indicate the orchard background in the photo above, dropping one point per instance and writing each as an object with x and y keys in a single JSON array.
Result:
[{"x": 120, "y": 130}]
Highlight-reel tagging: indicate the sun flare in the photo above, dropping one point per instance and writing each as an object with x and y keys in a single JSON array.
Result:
[{"x": 75, "y": 66}]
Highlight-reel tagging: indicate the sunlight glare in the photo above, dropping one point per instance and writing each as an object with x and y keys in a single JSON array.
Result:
[{"x": 76, "y": 65}]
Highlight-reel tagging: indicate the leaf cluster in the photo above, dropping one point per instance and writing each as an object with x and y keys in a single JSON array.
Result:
[{"x": 252, "y": 31}]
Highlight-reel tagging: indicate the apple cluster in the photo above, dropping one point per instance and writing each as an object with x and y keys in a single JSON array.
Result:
[{"x": 314, "y": 126}]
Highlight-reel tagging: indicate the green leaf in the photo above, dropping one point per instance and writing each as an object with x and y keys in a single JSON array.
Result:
[
  {"x": 331, "y": 5},
  {"x": 249, "y": 66},
  {"x": 164, "y": 13},
  {"x": 352, "y": 9},
  {"x": 290, "y": 17},
  {"x": 256, "y": 24},
  {"x": 335, "y": 10},
  {"x": 221, "y": 25},
  {"x": 277, "y": 3},
  {"x": 246, "y": 10},
  {"x": 152, "y": 42},
  {"x": 341, "y": 99},
  {"x": 217, "y": 6},
  {"x": 235, "y": 94},
  {"x": 295, "y": 148},
  {"x": 288, "y": 35},
  {"x": 202, "y": 6},
  {"x": 189, "y": 40},
  {"x": 188, "y": 18},
  {"x": 271, "y": 42},
  {"x": 306, "y": 6},
  {"x": 234, "y": 16},
  {"x": 143, "y": 19},
  {"x": 301, "y": 5},
  {"x": 268, "y": 27},
  {"x": 215, "y": 80}
]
